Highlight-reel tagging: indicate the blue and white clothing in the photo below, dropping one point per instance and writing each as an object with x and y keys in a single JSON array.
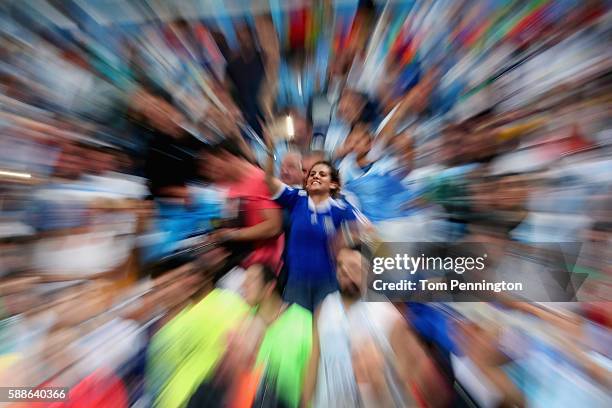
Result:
[
  {"x": 350, "y": 170},
  {"x": 336, "y": 135},
  {"x": 311, "y": 267},
  {"x": 175, "y": 222},
  {"x": 375, "y": 190}
]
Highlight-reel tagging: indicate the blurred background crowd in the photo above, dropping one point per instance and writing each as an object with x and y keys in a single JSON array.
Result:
[{"x": 148, "y": 257}]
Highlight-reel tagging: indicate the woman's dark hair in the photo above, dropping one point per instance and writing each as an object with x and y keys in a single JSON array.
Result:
[{"x": 334, "y": 174}]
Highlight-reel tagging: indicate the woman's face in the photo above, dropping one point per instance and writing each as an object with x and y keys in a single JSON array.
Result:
[{"x": 319, "y": 180}]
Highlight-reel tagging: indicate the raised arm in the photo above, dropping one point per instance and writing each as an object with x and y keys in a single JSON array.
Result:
[
  {"x": 246, "y": 149},
  {"x": 271, "y": 53},
  {"x": 274, "y": 184}
]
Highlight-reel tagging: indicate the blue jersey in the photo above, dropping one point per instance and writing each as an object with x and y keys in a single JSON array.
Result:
[{"x": 312, "y": 228}]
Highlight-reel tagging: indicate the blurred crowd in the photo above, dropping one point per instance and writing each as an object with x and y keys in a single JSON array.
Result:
[{"x": 189, "y": 191}]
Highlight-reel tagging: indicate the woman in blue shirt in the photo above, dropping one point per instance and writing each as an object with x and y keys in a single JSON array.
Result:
[{"x": 316, "y": 218}]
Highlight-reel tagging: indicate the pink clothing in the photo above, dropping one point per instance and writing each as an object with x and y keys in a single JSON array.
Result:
[{"x": 255, "y": 197}]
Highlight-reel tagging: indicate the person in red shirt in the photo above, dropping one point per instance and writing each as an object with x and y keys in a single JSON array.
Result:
[{"x": 262, "y": 217}]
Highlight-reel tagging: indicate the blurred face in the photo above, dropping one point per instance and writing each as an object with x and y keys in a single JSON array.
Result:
[
  {"x": 511, "y": 192},
  {"x": 300, "y": 129},
  {"x": 253, "y": 288},
  {"x": 404, "y": 149},
  {"x": 319, "y": 180},
  {"x": 291, "y": 172},
  {"x": 163, "y": 116},
  {"x": 483, "y": 195},
  {"x": 244, "y": 37},
  {"x": 455, "y": 146},
  {"x": 350, "y": 106},
  {"x": 464, "y": 145},
  {"x": 101, "y": 162},
  {"x": 217, "y": 167},
  {"x": 363, "y": 143},
  {"x": 124, "y": 162},
  {"x": 348, "y": 270},
  {"x": 70, "y": 163}
]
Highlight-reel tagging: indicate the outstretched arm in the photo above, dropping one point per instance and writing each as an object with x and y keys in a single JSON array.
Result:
[
  {"x": 274, "y": 184},
  {"x": 271, "y": 226}
]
